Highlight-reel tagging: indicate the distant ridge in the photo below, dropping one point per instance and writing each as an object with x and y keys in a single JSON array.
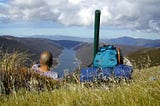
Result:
[
  {"x": 62, "y": 37},
  {"x": 121, "y": 40},
  {"x": 135, "y": 42}
]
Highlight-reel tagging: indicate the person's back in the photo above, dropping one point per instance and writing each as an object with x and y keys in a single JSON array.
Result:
[{"x": 44, "y": 65}]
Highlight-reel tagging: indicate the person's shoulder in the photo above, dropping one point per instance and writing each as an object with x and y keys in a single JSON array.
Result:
[
  {"x": 52, "y": 74},
  {"x": 55, "y": 74},
  {"x": 35, "y": 67}
]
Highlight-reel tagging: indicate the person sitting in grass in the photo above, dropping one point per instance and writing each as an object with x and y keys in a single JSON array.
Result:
[{"x": 44, "y": 65}]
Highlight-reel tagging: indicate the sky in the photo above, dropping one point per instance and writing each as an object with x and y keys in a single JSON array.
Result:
[{"x": 132, "y": 18}]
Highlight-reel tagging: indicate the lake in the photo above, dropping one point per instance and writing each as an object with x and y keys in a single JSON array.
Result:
[{"x": 67, "y": 62}]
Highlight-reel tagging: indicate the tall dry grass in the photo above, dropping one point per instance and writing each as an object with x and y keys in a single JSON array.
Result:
[
  {"x": 26, "y": 86},
  {"x": 14, "y": 75},
  {"x": 143, "y": 91}
]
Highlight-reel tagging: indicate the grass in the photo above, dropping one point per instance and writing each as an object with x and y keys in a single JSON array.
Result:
[
  {"x": 147, "y": 57},
  {"x": 14, "y": 75},
  {"x": 143, "y": 90}
]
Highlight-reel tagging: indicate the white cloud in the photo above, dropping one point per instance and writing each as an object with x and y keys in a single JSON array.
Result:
[
  {"x": 75, "y": 1},
  {"x": 142, "y": 15}
]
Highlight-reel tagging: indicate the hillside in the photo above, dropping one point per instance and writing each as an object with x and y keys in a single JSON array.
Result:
[
  {"x": 31, "y": 46},
  {"x": 145, "y": 57},
  {"x": 85, "y": 52},
  {"x": 11, "y": 45}
]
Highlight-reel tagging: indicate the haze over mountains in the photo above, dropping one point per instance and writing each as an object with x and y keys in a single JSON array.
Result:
[
  {"x": 62, "y": 37},
  {"x": 135, "y": 42},
  {"x": 122, "y": 40}
]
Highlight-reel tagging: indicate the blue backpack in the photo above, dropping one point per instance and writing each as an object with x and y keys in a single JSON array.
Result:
[{"x": 106, "y": 57}]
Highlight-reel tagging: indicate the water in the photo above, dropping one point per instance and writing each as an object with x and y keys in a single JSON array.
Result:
[{"x": 67, "y": 61}]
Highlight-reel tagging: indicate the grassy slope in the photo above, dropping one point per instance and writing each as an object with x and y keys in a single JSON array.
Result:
[
  {"x": 145, "y": 57},
  {"x": 141, "y": 91}
]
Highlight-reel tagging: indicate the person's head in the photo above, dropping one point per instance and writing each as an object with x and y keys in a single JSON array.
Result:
[{"x": 46, "y": 58}]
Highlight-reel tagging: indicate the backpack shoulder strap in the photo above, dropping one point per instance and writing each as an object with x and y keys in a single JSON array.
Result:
[{"x": 119, "y": 55}]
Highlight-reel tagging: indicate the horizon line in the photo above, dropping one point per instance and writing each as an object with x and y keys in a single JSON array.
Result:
[{"x": 36, "y": 36}]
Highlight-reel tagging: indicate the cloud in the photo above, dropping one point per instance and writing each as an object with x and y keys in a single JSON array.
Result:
[{"x": 140, "y": 15}]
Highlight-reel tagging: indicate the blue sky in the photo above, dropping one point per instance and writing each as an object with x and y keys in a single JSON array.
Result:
[{"x": 76, "y": 17}]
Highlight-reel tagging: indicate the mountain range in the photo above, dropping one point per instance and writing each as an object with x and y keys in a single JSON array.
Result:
[
  {"x": 121, "y": 40},
  {"x": 84, "y": 47},
  {"x": 34, "y": 46},
  {"x": 135, "y": 42},
  {"x": 62, "y": 37}
]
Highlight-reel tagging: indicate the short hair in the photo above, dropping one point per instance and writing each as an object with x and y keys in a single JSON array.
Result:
[{"x": 46, "y": 58}]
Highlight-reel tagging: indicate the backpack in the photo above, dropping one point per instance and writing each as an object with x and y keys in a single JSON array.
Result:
[{"x": 107, "y": 57}]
